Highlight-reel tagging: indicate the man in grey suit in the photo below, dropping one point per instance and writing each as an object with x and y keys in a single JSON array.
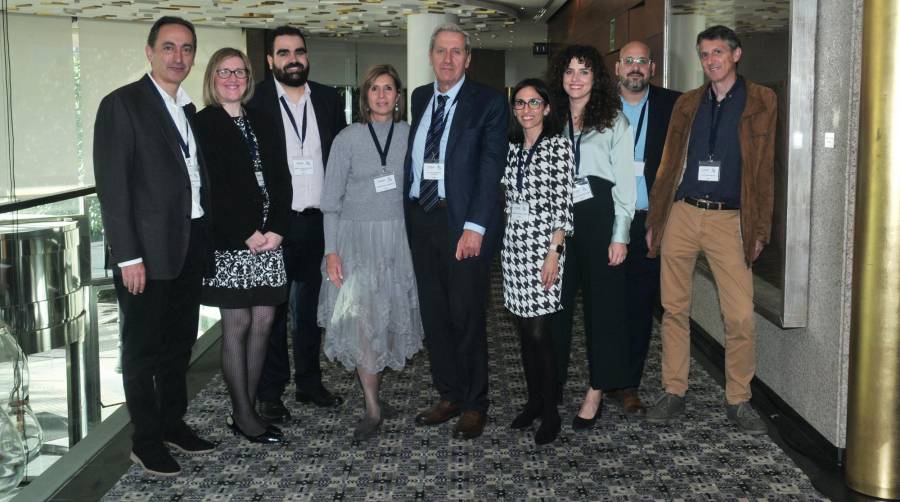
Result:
[{"x": 151, "y": 182}]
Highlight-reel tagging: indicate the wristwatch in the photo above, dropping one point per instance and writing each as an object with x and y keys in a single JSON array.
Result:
[{"x": 558, "y": 248}]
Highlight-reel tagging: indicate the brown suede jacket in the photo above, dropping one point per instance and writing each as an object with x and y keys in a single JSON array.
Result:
[{"x": 757, "y": 139}]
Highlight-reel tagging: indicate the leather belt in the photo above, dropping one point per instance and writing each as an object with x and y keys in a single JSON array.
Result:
[
  {"x": 310, "y": 211},
  {"x": 709, "y": 204}
]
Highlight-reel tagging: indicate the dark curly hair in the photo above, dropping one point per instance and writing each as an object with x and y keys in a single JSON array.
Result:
[{"x": 604, "y": 103}]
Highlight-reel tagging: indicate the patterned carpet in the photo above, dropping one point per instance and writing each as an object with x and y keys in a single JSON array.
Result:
[{"x": 700, "y": 457}]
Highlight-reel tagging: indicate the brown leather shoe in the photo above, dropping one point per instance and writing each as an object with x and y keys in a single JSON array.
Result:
[
  {"x": 441, "y": 412},
  {"x": 631, "y": 403},
  {"x": 470, "y": 425}
]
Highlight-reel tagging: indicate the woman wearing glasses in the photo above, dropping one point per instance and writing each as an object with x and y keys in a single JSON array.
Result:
[
  {"x": 587, "y": 101},
  {"x": 368, "y": 305},
  {"x": 538, "y": 182},
  {"x": 250, "y": 191}
]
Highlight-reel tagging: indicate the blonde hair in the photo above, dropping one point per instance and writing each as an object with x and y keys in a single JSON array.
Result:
[
  {"x": 367, "y": 81},
  {"x": 209, "y": 78}
]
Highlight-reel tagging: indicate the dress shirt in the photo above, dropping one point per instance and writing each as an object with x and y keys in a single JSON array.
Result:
[
  {"x": 418, "y": 148},
  {"x": 307, "y": 189},
  {"x": 609, "y": 154},
  {"x": 175, "y": 107},
  {"x": 633, "y": 114},
  {"x": 727, "y": 149}
]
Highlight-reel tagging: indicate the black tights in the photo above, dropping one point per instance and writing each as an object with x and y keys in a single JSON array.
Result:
[
  {"x": 245, "y": 338},
  {"x": 539, "y": 362}
]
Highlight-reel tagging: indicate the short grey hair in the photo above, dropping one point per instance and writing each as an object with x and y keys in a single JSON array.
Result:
[{"x": 452, "y": 28}]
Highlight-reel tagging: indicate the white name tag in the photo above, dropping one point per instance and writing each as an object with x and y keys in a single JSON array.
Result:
[
  {"x": 385, "y": 183},
  {"x": 259, "y": 179},
  {"x": 709, "y": 170},
  {"x": 433, "y": 171},
  {"x": 195, "y": 178},
  {"x": 519, "y": 211},
  {"x": 638, "y": 167},
  {"x": 301, "y": 167},
  {"x": 582, "y": 190}
]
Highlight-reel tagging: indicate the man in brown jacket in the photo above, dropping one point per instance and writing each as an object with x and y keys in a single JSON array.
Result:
[{"x": 713, "y": 194}]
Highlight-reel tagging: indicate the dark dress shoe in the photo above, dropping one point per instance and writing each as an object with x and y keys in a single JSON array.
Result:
[
  {"x": 582, "y": 424},
  {"x": 528, "y": 414},
  {"x": 265, "y": 438},
  {"x": 157, "y": 461},
  {"x": 549, "y": 429},
  {"x": 438, "y": 414},
  {"x": 631, "y": 403},
  {"x": 274, "y": 412},
  {"x": 321, "y": 397},
  {"x": 186, "y": 441},
  {"x": 470, "y": 425}
]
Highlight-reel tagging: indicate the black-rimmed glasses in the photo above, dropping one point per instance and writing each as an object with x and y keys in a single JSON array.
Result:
[
  {"x": 533, "y": 103},
  {"x": 240, "y": 73}
]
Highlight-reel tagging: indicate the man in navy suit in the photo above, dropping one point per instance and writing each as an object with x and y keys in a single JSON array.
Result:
[
  {"x": 456, "y": 156},
  {"x": 648, "y": 109},
  {"x": 152, "y": 186}
]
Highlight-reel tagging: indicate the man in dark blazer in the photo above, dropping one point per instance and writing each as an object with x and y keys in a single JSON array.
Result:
[
  {"x": 308, "y": 117},
  {"x": 152, "y": 185},
  {"x": 456, "y": 157},
  {"x": 648, "y": 109}
]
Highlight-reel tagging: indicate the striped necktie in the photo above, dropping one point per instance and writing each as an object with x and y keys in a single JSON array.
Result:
[{"x": 428, "y": 189}]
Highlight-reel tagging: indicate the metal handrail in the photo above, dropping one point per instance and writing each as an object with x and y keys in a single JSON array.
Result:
[{"x": 21, "y": 203}]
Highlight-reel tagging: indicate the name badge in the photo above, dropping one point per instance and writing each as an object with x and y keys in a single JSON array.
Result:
[
  {"x": 191, "y": 162},
  {"x": 709, "y": 170},
  {"x": 301, "y": 167},
  {"x": 259, "y": 179},
  {"x": 433, "y": 171},
  {"x": 385, "y": 183},
  {"x": 195, "y": 178},
  {"x": 638, "y": 167},
  {"x": 582, "y": 191},
  {"x": 519, "y": 211}
]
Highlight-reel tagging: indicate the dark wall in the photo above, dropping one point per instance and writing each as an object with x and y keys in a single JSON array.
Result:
[
  {"x": 488, "y": 67},
  {"x": 608, "y": 25}
]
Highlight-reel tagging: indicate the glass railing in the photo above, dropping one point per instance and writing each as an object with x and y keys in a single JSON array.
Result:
[{"x": 58, "y": 300}]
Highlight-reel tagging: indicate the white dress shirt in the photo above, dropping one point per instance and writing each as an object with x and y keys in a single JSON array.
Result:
[{"x": 307, "y": 186}]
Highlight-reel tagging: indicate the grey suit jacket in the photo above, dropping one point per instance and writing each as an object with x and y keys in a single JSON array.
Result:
[{"x": 142, "y": 180}]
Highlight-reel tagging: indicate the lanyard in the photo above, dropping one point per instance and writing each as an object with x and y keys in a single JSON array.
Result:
[
  {"x": 387, "y": 145},
  {"x": 290, "y": 115},
  {"x": 184, "y": 142},
  {"x": 637, "y": 133},
  {"x": 520, "y": 173},
  {"x": 446, "y": 112},
  {"x": 575, "y": 145},
  {"x": 716, "y": 113}
]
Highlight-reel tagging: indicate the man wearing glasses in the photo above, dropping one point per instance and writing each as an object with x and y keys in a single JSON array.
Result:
[
  {"x": 310, "y": 116},
  {"x": 648, "y": 109},
  {"x": 714, "y": 194}
]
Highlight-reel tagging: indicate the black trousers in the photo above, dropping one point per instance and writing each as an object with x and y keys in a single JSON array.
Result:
[
  {"x": 453, "y": 299},
  {"x": 159, "y": 327},
  {"x": 642, "y": 286},
  {"x": 304, "y": 247},
  {"x": 603, "y": 293}
]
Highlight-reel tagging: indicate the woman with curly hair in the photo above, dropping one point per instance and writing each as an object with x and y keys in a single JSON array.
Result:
[{"x": 587, "y": 102}]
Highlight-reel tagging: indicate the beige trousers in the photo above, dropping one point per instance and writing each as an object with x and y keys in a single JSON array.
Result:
[{"x": 717, "y": 233}]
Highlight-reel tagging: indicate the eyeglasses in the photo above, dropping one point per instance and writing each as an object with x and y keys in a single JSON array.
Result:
[
  {"x": 240, "y": 73},
  {"x": 533, "y": 103},
  {"x": 638, "y": 61}
]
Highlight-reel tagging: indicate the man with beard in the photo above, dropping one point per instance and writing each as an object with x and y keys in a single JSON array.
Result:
[
  {"x": 648, "y": 109},
  {"x": 311, "y": 115}
]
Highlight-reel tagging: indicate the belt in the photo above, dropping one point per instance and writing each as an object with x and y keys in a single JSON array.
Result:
[
  {"x": 310, "y": 211},
  {"x": 442, "y": 203},
  {"x": 709, "y": 204}
]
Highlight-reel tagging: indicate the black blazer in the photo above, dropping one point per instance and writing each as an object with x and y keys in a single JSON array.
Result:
[
  {"x": 474, "y": 160},
  {"x": 236, "y": 199},
  {"x": 329, "y": 110},
  {"x": 661, "y": 102},
  {"x": 142, "y": 180}
]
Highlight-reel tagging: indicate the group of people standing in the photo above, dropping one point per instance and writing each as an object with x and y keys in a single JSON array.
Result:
[{"x": 266, "y": 203}]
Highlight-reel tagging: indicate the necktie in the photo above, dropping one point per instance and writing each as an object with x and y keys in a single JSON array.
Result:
[{"x": 428, "y": 189}]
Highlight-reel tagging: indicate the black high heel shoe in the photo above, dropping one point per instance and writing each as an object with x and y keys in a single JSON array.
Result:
[
  {"x": 581, "y": 424},
  {"x": 266, "y": 437}
]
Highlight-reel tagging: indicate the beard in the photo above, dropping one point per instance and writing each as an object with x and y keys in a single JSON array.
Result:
[
  {"x": 634, "y": 85},
  {"x": 297, "y": 79}
]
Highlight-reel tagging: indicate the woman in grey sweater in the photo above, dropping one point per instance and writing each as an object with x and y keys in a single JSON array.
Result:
[{"x": 368, "y": 305}]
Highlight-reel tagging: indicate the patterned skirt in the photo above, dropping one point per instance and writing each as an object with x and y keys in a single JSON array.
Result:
[{"x": 244, "y": 279}]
